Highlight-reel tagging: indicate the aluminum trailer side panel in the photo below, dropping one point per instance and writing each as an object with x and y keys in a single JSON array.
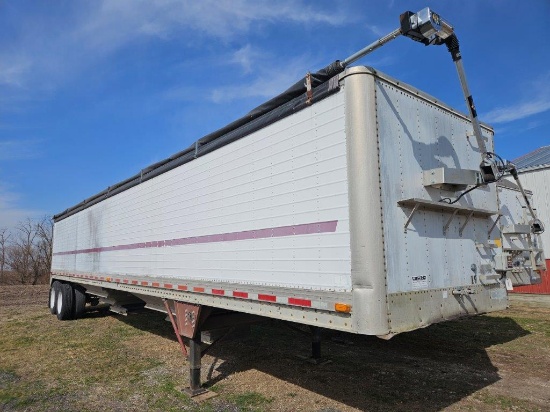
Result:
[{"x": 269, "y": 210}]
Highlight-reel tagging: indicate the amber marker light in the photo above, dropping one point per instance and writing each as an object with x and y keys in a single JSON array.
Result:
[{"x": 342, "y": 307}]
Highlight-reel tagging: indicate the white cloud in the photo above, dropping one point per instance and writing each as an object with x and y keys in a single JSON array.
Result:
[
  {"x": 517, "y": 112},
  {"x": 246, "y": 57},
  {"x": 538, "y": 102},
  {"x": 13, "y": 70},
  {"x": 38, "y": 61},
  {"x": 18, "y": 149},
  {"x": 267, "y": 82},
  {"x": 114, "y": 23},
  {"x": 10, "y": 212}
]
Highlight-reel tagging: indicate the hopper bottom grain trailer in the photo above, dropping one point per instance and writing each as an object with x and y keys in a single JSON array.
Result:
[{"x": 347, "y": 203}]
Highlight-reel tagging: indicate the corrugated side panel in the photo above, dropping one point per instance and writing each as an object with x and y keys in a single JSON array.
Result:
[
  {"x": 538, "y": 181},
  {"x": 416, "y": 135},
  {"x": 270, "y": 209}
]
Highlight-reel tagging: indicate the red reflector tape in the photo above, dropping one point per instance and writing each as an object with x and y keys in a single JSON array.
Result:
[
  {"x": 126, "y": 281},
  {"x": 182, "y": 287},
  {"x": 299, "y": 302},
  {"x": 196, "y": 289},
  {"x": 240, "y": 294},
  {"x": 156, "y": 284},
  {"x": 269, "y": 298},
  {"x": 168, "y": 285},
  {"x": 144, "y": 283},
  {"x": 134, "y": 282},
  {"x": 117, "y": 280},
  {"x": 218, "y": 292}
]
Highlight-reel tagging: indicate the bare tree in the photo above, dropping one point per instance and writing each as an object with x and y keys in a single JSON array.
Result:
[
  {"x": 20, "y": 252},
  {"x": 44, "y": 244},
  {"x": 29, "y": 255},
  {"x": 4, "y": 238}
]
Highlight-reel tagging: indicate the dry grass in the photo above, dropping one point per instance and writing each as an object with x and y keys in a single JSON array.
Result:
[{"x": 108, "y": 362}]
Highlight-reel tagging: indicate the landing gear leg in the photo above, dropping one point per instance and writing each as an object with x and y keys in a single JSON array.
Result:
[
  {"x": 195, "y": 354},
  {"x": 315, "y": 358}
]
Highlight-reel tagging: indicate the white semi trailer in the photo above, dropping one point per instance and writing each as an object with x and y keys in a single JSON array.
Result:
[{"x": 347, "y": 203}]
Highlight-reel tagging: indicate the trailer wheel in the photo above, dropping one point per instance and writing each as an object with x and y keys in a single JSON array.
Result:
[
  {"x": 54, "y": 291},
  {"x": 65, "y": 302},
  {"x": 79, "y": 302}
]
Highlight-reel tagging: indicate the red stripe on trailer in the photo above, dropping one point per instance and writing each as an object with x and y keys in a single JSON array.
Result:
[
  {"x": 238, "y": 294},
  {"x": 268, "y": 298},
  {"x": 280, "y": 231},
  {"x": 168, "y": 285},
  {"x": 198, "y": 289},
  {"x": 182, "y": 287},
  {"x": 300, "y": 302},
  {"x": 156, "y": 284},
  {"x": 134, "y": 282},
  {"x": 144, "y": 283},
  {"x": 218, "y": 292}
]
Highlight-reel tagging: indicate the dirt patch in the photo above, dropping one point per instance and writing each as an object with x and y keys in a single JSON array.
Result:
[
  {"x": 110, "y": 362},
  {"x": 21, "y": 295}
]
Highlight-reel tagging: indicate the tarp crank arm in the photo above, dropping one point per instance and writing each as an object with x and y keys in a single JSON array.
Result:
[
  {"x": 370, "y": 48},
  {"x": 429, "y": 28}
]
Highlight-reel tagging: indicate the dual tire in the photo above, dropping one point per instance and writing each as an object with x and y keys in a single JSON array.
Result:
[{"x": 67, "y": 301}]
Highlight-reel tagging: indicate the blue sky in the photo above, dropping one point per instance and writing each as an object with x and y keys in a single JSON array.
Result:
[{"x": 93, "y": 91}]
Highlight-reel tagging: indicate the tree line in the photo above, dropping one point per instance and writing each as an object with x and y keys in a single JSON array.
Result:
[{"x": 26, "y": 251}]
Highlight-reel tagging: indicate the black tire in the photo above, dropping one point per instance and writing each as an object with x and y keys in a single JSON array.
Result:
[
  {"x": 65, "y": 302},
  {"x": 79, "y": 302},
  {"x": 52, "y": 301}
]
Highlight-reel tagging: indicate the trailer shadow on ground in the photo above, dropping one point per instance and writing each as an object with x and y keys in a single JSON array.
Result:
[{"x": 428, "y": 369}]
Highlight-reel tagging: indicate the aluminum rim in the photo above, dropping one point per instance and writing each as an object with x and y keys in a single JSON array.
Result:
[
  {"x": 52, "y": 298},
  {"x": 59, "y": 302}
]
